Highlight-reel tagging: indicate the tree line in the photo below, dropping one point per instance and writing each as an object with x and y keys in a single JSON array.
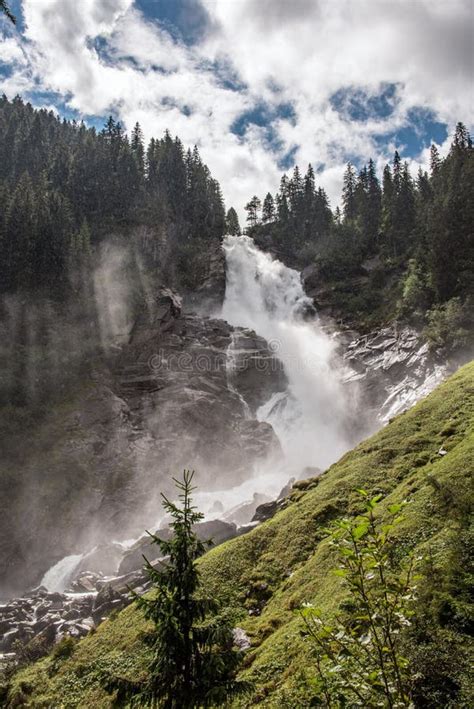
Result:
[
  {"x": 64, "y": 187},
  {"x": 421, "y": 225}
]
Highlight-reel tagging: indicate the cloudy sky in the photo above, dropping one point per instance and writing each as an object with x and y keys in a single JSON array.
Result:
[{"x": 258, "y": 85}]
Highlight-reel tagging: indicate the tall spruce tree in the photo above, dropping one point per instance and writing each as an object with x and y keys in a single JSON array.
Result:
[
  {"x": 138, "y": 147},
  {"x": 232, "y": 225},
  {"x": 348, "y": 193},
  {"x": 194, "y": 662},
  {"x": 268, "y": 209},
  {"x": 252, "y": 208}
]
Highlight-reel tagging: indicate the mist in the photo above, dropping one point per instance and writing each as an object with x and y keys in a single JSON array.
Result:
[{"x": 121, "y": 426}]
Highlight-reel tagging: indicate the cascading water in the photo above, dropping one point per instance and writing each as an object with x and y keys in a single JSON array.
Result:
[
  {"x": 310, "y": 417},
  {"x": 58, "y": 576}
]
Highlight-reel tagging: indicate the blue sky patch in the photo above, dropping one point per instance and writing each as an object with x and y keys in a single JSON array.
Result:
[
  {"x": 50, "y": 99},
  {"x": 288, "y": 160},
  {"x": 186, "y": 20},
  {"x": 356, "y": 104},
  {"x": 262, "y": 115},
  {"x": 15, "y": 7},
  {"x": 419, "y": 131}
]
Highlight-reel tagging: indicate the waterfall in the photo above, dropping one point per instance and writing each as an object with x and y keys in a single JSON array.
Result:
[
  {"x": 263, "y": 294},
  {"x": 230, "y": 371},
  {"x": 58, "y": 576}
]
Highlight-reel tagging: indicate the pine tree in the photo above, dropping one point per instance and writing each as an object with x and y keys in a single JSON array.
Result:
[
  {"x": 374, "y": 204},
  {"x": 232, "y": 223},
  {"x": 252, "y": 208},
  {"x": 309, "y": 202},
  {"x": 348, "y": 193},
  {"x": 296, "y": 194},
  {"x": 268, "y": 209},
  {"x": 462, "y": 139},
  {"x": 435, "y": 160},
  {"x": 21, "y": 225},
  {"x": 282, "y": 208},
  {"x": 397, "y": 171},
  {"x": 138, "y": 148},
  {"x": 194, "y": 663}
]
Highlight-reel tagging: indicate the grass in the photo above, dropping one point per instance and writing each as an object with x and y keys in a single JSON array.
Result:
[{"x": 266, "y": 574}]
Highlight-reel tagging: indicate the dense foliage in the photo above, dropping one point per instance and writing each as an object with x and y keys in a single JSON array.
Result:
[
  {"x": 417, "y": 232},
  {"x": 65, "y": 187},
  {"x": 358, "y": 655},
  {"x": 193, "y": 663}
]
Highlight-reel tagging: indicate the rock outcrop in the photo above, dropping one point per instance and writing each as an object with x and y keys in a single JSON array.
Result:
[
  {"x": 94, "y": 466},
  {"x": 392, "y": 368}
]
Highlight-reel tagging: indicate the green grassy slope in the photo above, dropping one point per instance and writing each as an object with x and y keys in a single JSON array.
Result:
[{"x": 264, "y": 575}]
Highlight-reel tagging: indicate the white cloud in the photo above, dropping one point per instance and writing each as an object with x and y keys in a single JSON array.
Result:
[{"x": 298, "y": 52}]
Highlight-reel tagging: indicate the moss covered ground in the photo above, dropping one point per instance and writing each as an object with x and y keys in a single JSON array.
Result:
[{"x": 263, "y": 576}]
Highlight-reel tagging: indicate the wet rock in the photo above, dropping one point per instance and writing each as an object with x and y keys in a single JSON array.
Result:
[
  {"x": 37, "y": 621},
  {"x": 265, "y": 511},
  {"x": 160, "y": 310},
  {"x": 103, "y": 560},
  {"x": 241, "y": 639},
  {"x": 86, "y": 582},
  {"x": 254, "y": 368},
  {"x": 390, "y": 370},
  {"x": 243, "y": 514},
  {"x": 185, "y": 405},
  {"x": 285, "y": 491},
  {"x": 216, "y": 530}
]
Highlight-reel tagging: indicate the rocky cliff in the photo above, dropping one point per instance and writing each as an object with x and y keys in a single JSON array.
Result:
[{"x": 93, "y": 466}]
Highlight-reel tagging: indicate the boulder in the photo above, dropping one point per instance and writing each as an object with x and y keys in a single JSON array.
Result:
[
  {"x": 241, "y": 639},
  {"x": 104, "y": 559},
  {"x": 216, "y": 530},
  {"x": 265, "y": 511},
  {"x": 242, "y": 514}
]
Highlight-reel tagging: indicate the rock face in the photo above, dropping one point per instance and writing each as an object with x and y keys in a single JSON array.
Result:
[
  {"x": 175, "y": 380},
  {"x": 392, "y": 368},
  {"x": 254, "y": 370},
  {"x": 94, "y": 467},
  {"x": 66, "y": 480}
]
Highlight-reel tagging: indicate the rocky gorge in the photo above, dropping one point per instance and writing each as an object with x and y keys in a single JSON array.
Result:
[{"x": 186, "y": 389}]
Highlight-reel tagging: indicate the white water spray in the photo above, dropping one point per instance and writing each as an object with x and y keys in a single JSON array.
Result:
[
  {"x": 265, "y": 295},
  {"x": 57, "y": 578}
]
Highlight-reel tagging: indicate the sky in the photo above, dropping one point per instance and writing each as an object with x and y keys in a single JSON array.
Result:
[{"x": 257, "y": 85}]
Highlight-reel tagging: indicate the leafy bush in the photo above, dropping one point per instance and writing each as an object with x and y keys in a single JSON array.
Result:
[
  {"x": 415, "y": 292},
  {"x": 450, "y": 324},
  {"x": 358, "y": 658}
]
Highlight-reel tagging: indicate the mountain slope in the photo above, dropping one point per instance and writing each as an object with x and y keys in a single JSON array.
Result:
[{"x": 286, "y": 561}]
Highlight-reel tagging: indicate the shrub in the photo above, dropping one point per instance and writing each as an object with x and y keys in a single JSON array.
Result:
[
  {"x": 449, "y": 326},
  {"x": 358, "y": 658}
]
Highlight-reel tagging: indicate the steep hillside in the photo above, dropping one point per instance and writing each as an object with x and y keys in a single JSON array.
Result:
[{"x": 425, "y": 456}]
